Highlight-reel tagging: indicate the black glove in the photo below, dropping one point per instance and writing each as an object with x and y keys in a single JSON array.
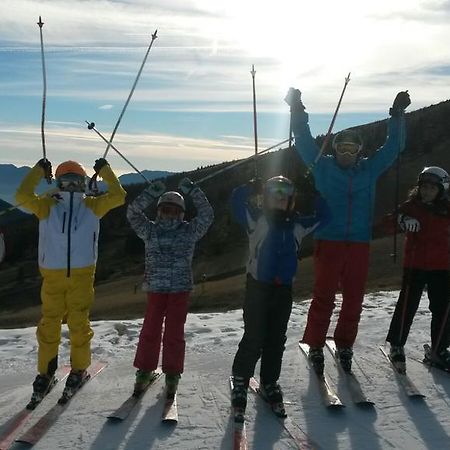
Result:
[
  {"x": 99, "y": 164},
  {"x": 186, "y": 186},
  {"x": 294, "y": 100},
  {"x": 256, "y": 186},
  {"x": 401, "y": 102},
  {"x": 47, "y": 167}
]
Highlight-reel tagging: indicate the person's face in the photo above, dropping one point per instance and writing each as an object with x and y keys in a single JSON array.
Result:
[
  {"x": 169, "y": 211},
  {"x": 347, "y": 154},
  {"x": 277, "y": 201},
  {"x": 428, "y": 192}
]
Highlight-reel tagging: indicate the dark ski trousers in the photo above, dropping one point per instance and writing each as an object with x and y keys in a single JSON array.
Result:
[
  {"x": 413, "y": 284},
  {"x": 267, "y": 308}
]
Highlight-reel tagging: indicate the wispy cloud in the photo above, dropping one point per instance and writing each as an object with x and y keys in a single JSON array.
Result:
[{"x": 106, "y": 107}]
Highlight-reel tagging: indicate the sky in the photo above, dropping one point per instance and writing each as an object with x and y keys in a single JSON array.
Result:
[{"x": 193, "y": 103}]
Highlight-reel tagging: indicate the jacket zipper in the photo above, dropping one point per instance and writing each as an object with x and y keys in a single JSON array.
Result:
[
  {"x": 64, "y": 222},
  {"x": 69, "y": 231},
  {"x": 349, "y": 211}
]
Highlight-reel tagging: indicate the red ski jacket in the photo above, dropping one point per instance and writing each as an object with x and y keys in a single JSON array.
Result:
[{"x": 428, "y": 248}]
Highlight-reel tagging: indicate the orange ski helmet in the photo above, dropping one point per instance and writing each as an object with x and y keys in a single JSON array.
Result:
[{"x": 70, "y": 167}]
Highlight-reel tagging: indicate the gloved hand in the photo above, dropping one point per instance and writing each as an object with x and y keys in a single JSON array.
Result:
[
  {"x": 156, "y": 189},
  {"x": 294, "y": 99},
  {"x": 256, "y": 186},
  {"x": 401, "y": 102},
  {"x": 99, "y": 164},
  {"x": 186, "y": 186},
  {"x": 46, "y": 166},
  {"x": 409, "y": 223}
]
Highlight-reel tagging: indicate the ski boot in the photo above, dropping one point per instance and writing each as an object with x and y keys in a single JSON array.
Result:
[
  {"x": 172, "y": 384},
  {"x": 317, "y": 359},
  {"x": 397, "y": 356},
  {"x": 42, "y": 385},
  {"x": 345, "y": 355},
  {"x": 274, "y": 396},
  {"x": 239, "y": 398},
  {"x": 75, "y": 380},
  {"x": 441, "y": 359},
  {"x": 143, "y": 380}
]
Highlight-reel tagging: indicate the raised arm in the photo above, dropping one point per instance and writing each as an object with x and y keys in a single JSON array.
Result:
[
  {"x": 385, "y": 156},
  {"x": 135, "y": 211},
  {"x": 113, "y": 198},
  {"x": 318, "y": 220},
  {"x": 25, "y": 195},
  {"x": 205, "y": 215}
]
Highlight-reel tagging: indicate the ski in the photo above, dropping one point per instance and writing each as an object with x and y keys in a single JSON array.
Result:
[
  {"x": 239, "y": 430},
  {"x": 17, "y": 422},
  {"x": 35, "y": 433},
  {"x": 170, "y": 411},
  {"x": 124, "y": 410},
  {"x": 295, "y": 432},
  {"x": 407, "y": 384},
  {"x": 329, "y": 397},
  {"x": 352, "y": 382},
  {"x": 428, "y": 361}
]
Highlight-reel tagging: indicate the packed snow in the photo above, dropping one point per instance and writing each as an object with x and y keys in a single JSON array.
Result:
[{"x": 396, "y": 421}]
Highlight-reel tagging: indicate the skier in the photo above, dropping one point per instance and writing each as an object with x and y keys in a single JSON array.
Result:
[
  {"x": 275, "y": 232},
  {"x": 348, "y": 182},
  {"x": 68, "y": 238},
  {"x": 425, "y": 217},
  {"x": 169, "y": 247}
]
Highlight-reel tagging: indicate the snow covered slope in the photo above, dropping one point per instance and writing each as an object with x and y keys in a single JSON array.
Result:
[{"x": 396, "y": 422}]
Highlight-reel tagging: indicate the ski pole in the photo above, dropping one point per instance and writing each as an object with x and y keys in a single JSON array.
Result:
[
  {"x": 255, "y": 124},
  {"x": 130, "y": 94},
  {"x": 330, "y": 128},
  {"x": 93, "y": 181},
  {"x": 238, "y": 163},
  {"x": 44, "y": 97},
  {"x": 91, "y": 126},
  {"x": 397, "y": 188}
]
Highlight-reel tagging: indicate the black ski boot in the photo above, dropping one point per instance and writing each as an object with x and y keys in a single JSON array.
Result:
[
  {"x": 172, "y": 384},
  {"x": 441, "y": 359},
  {"x": 397, "y": 356},
  {"x": 75, "y": 380},
  {"x": 239, "y": 397},
  {"x": 274, "y": 395},
  {"x": 345, "y": 355},
  {"x": 42, "y": 385},
  {"x": 317, "y": 359}
]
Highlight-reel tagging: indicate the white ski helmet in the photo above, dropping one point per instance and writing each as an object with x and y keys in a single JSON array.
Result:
[
  {"x": 348, "y": 137},
  {"x": 172, "y": 198},
  {"x": 434, "y": 175}
]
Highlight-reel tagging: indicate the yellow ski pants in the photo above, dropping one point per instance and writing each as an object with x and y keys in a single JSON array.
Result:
[{"x": 69, "y": 297}]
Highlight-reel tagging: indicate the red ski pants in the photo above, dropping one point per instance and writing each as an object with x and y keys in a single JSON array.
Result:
[
  {"x": 170, "y": 308},
  {"x": 337, "y": 265}
]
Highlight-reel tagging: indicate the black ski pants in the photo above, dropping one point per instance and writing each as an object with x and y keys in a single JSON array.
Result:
[
  {"x": 413, "y": 284},
  {"x": 267, "y": 309}
]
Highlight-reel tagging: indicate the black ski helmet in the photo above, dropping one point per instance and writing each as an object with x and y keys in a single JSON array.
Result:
[{"x": 348, "y": 137}]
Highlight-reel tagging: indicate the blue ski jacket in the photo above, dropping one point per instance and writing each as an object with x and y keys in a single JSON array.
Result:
[
  {"x": 349, "y": 192},
  {"x": 274, "y": 242}
]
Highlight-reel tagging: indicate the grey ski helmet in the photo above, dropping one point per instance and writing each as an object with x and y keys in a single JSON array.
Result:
[
  {"x": 281, "y": 186},
  {"x": 172, "y": 198}
]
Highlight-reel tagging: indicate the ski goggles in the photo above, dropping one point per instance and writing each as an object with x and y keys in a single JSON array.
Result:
[
  {"x": 71, "y": 182},
  {"x": 170, "y": 209},
  {"x": 347, "y": 148},
  {"x": 281, "y": 189}
]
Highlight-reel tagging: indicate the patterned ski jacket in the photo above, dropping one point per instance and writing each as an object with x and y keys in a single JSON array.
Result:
[
  {"x": 427, "y": 249},
  {"x": 69, "y": 222},
  {"x": 349, "y": 192},
  {"x": 274, "y": 242},
  {"x": 169, "y": 249}
]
